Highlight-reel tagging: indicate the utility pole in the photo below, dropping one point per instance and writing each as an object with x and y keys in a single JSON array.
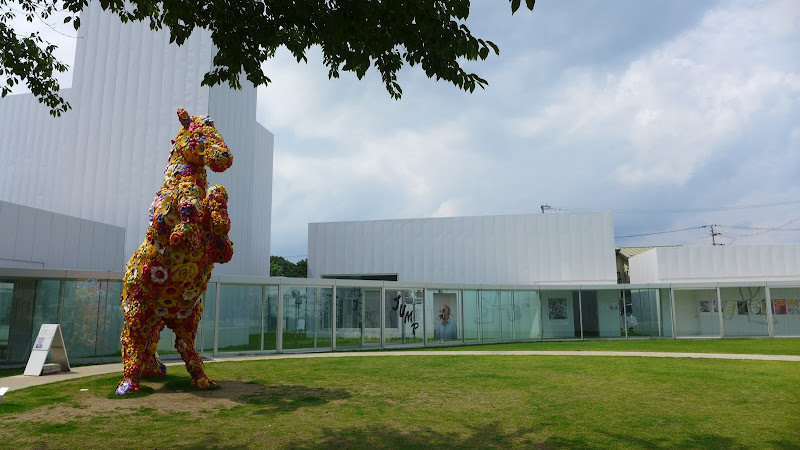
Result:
[{"x": 714, "y": 235}]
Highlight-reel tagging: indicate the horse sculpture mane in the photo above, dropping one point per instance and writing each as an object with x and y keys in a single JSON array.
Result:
[{"x": 168, "y": 274}]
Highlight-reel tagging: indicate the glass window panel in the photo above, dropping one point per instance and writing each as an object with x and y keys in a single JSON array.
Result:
[
  {"x": 372, "y": 318},
  {"x": 666, "y": 312},
  {"x": 560, "y": 317},
  {"x": 206, "y": 327},
  {"x": 786, "y": 311},
  {"x": 271, "y": 318},
  {"x": 644, "y": 313},
  {"x": 6, "y": 297},
  {"x": 696, "y": 312},
  {"x": 239, "y": 318},
  {"x": 744, "y": 311},
  {"x": 601, "y": 314},
  {"x": 110, "y": 347},
  {"x": 403, "y": 317},
  {"x": 505, "y": 313},
  {"x": 309, "y": 317},
  {"x": 349, "y": 301},
  {"x": 79, "y": 324},
  {"x": 444, "y": 316},
  {"x": 471, "y": 315},
  {"x": 20, "y": 330},
  {"x": 527, "y": 319},
  {"x": 490, "y": 323}
]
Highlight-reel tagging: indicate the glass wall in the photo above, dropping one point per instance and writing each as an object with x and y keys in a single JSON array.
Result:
[
  {"x": 527, "y": 318},
  {"x": 239, "y": 328},
  {"x": 602, "y": 314},
  {"x": 6, "y": 293},
  {"x": 561, "y": 314},
  {"x": 308, "y": 323},
  {"x": 472, "y": 308},
  {"x": 354, "y": 328},
  {"x": 643, "y": 313},
  {"x": 83, "y": 302},
  {"x": 744, "y": 311},
  {"x": 665, "y": 299},
  {"x": 491, "y": 322},
  {"x": 697, "y": 312},
  {"x": 403, "y": 316},
  {"x": 785, "y": 311},
  {"x": 205, "y": 331},
  {"x": 245, "y": 316}
]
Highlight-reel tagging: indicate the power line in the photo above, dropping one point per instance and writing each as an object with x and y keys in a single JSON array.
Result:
[
  {"x": 673, "y": 211},
  {"x": 662, "y": 232}
]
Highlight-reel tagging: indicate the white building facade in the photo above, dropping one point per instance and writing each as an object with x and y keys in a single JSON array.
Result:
[
  {"x": 575, "y": 248},
  {"x": 735, "y": 263},
  {"x": 104, "y": 160}
]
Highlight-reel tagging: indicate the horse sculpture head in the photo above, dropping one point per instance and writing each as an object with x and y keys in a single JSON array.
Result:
[{"x": 199, "y": 143}]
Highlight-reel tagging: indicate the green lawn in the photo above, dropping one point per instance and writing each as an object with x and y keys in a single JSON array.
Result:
[
  {"x": 787, "y": 346},
  {"x": 426, "y": 401}
]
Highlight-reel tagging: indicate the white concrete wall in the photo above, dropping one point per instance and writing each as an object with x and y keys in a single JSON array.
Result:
[
  {"x": 643, "y": 268},
  {"x": 513, "y": 249},
  {"x": 716, "y": 263},
  {"x": 104, "y": 160},
  {"x": 34, "y": 238}
]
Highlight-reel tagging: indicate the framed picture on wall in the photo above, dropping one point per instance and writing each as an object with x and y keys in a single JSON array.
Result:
[
  {"x": 557, "y": 308},
  {"x": 793, "y": 306},
  {"x": 705, "y": 306},
  {"x": 779, "y": 306},
  {"x": 729, "y": 308},
  {"x": 741, "y": 307}
]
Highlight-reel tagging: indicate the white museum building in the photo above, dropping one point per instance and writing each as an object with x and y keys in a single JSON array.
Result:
[
  {"x": 103, "y": 160},
  {"x": 75, "y": 191}
]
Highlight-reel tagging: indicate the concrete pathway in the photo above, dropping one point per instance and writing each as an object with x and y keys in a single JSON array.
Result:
[{"x": 22, "y": 381}]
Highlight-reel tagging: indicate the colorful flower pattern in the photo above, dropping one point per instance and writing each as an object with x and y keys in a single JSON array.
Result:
[{"x": 166, "y": 277}]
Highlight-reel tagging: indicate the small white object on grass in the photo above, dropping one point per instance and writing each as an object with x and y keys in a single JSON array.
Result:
[{"x": 3, "y": 391}]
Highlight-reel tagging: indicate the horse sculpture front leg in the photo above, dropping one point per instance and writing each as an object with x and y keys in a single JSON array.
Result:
[{"x": 140, "y": 322}]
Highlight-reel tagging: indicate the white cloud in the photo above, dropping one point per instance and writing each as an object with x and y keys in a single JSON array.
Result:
[{"x": 676, "y": 107}]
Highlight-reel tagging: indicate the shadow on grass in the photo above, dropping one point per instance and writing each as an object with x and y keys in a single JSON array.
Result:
[
  {"x": 492, "y": 436},
  {"x": 287, "y": 398},
  {"x": 266, "y": 399}
]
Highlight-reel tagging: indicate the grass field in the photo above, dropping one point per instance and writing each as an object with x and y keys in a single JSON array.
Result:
[{"x": 430, "y": 401}]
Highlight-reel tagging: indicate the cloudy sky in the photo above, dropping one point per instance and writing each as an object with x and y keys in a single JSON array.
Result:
[{"x": 672, "y": 114}]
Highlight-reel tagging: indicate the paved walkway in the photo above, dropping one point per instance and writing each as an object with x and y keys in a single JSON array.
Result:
[{"x": 23, "y": 381}]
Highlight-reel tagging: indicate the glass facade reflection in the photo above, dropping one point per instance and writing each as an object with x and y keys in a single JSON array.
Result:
[{"x": 278, "y": 315}]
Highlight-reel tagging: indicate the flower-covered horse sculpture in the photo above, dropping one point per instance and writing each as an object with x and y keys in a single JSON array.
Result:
[{"x": 166, "y": 277}]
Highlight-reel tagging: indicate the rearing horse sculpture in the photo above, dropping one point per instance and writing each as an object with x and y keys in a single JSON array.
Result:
[{"x": 166, "y": 277}]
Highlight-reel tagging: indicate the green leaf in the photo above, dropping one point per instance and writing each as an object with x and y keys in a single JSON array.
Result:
[
  {"x": 530, "y": 3},
  {"x": 515, "y": 5}
]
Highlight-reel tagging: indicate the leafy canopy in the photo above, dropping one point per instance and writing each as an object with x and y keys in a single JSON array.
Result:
[
  {"x": 354, "y": 35},
  {"x": 282, "y": 267}
]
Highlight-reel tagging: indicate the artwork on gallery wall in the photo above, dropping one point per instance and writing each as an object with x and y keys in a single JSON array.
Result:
[
  {"x": 779, "y": 306},
  {"x": 557, "y": 308},
  {"x": 793, "y": 306},
  {"x": 741, "y": 307},
  {"x": 729, "y": 308},
  {"x": 758, "y": 307}
]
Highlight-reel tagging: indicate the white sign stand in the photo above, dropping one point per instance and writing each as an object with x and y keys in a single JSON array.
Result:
[{"x": 49, "y": 341}]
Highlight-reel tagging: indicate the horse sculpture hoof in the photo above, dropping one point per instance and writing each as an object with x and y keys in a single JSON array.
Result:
[
  {"x": 126, "y": 387},
  {"x": 203, "y": 382}
]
